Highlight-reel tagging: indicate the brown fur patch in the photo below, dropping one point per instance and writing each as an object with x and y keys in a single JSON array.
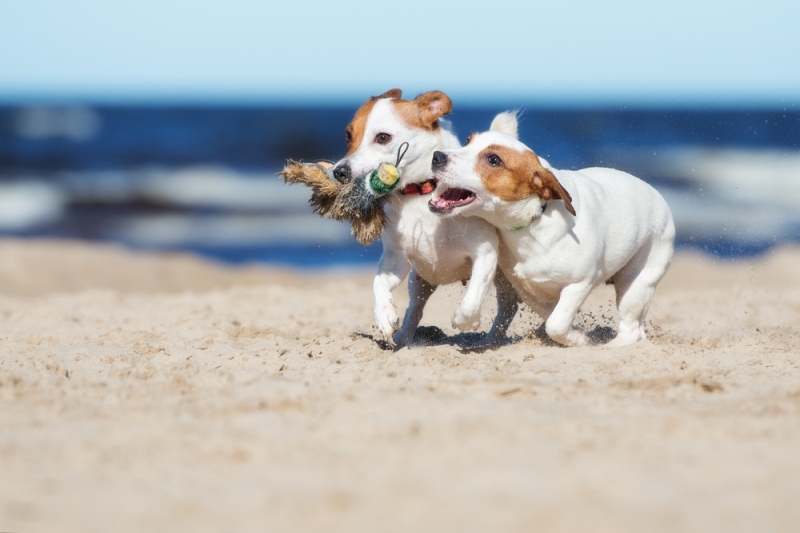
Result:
[
  {"x": 425, "y": 110},
  {"x": 471, "y": 136},
  {"x": 355, "y": 130},
  {"x": 391, "y": 93},
  {"x": 519, "y": 177}
]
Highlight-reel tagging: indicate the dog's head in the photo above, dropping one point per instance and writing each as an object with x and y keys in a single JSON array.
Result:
[
  {"x": 385, "y": 122},
  {"x": 493, "y": 168}
]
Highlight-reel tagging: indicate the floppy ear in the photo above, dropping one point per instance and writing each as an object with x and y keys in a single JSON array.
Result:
[
  {"x": 549, "y": 188},
  {"x": 432, "y": 106},
  {"x": 391, "y": 93}
]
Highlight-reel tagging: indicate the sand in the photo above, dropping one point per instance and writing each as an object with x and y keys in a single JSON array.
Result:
[{"x": 143, "y": 392}]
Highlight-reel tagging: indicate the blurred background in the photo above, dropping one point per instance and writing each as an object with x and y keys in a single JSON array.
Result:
[{"x": 161, "y": 125}]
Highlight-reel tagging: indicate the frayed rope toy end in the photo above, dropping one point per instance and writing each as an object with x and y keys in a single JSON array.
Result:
[{"x": 350, "y": 201}]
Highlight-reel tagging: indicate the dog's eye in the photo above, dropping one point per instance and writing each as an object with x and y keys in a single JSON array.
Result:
[
  {"x": 348, "y": 137},
  {"x": 493, "y": 160},
  {"x": 383, "y": 138}
]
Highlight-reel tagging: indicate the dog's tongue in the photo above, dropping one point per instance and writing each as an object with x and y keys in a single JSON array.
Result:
[
  {"x": 439, "y": 202},
  {"x": 456, "y": 195}
]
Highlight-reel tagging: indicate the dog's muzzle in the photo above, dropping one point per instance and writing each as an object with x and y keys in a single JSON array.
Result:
[
  {"x": 342, "y": 173},
  {"x": 439, "y": 160}
]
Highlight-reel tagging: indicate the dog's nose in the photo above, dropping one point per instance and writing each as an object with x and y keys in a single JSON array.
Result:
[
  {"x": 342, "y": 173},
  {"x": 439, "y": 160}
]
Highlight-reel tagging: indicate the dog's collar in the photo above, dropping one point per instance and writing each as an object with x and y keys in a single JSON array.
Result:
[
  {"x": 422, "y": 188},
  {"x": 523, "y": 226}
]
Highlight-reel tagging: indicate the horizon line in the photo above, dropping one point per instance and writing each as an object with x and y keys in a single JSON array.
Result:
[{"x": 351, "y": 98}]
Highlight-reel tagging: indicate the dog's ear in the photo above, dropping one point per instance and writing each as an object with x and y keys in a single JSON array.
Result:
[
  {"x": 548, "y": 188},
  {"x": 505, "y": 122},
  {"x": 432, "y": 106},
  {"x": 391, "y": 93}
]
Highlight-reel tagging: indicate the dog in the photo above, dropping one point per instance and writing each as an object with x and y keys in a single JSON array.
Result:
[
  {"x": 562, "y": 232},
  {"x": 435, "y": 251}
]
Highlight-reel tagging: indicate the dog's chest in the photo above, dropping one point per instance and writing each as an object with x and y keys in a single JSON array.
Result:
[
  {"x": 534, "y": 271},
  {"x": 439, "y": 249}
]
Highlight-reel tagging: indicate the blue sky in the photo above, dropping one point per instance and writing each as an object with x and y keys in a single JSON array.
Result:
[{"x": 570, "y": 51}]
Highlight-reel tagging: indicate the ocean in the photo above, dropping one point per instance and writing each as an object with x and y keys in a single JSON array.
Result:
[{"x": 203, "y": 179}]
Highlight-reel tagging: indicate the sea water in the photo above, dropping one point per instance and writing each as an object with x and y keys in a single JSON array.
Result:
[{"x": 203, "y": 179}]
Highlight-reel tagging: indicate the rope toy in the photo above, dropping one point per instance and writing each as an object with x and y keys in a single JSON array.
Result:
[
  {"x": 359, "y": 201},
  {"x": 351, "y": 201}
]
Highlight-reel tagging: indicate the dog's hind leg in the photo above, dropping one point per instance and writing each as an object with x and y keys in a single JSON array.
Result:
[
  {"x": 419, "y": 291},
  {"x": 635, "y": 286},
  {"x": 507, "y": 306}
]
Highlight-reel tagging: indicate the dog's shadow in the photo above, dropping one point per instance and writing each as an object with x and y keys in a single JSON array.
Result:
[
  {"x": 466, "y": 342},
  {"x": 476, "y": 342},
  {"x": 600, "y": 335}
]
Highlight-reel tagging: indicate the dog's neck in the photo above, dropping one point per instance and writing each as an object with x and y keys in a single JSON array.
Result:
[
  {"x": 514, "y": 216},
  {"x": 418, "y": 168}
]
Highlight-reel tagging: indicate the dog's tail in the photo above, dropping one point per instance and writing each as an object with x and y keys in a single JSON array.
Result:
[{"x": 506, "y": 122}]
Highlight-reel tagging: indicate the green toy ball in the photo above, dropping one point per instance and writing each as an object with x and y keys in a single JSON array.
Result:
[{"x": 384, "y": 179}]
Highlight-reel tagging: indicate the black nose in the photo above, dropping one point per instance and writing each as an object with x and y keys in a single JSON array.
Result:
[
  {"x": 439, "y": 160},
  {"x": 342, "y": 173}
]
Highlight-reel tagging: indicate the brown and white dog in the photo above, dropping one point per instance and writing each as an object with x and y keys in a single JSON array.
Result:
[
  {"x": 562, "y": 232},
  {"x": 436, "y": 251}
]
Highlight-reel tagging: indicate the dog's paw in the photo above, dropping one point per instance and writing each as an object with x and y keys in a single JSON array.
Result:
[
  {"x": 574, "y": 337},
  {"x": 467, "y": 321},
  {"x": 629, "y": 332},
  {"x": 623, "y": 340},
  {"x": 402, "y": 338},
  {"x": 386, "y": 319}
]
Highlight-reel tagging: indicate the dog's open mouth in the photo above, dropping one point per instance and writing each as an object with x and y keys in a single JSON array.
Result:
[{"x": 451, "y": 199}]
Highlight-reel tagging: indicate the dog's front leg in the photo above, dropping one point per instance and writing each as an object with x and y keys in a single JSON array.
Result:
[
  {"x": 484, "y": 265},
  {"x": 559, "y": 324},
  {"x": 507, "y": 306},
  {"x": 393, "y": 268},
  {"x": 419, "y": 291}
]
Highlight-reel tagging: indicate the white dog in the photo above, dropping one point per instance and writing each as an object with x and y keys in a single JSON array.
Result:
[
  {"x": 440, "y": 251},
  {"x": 562, "y": 232}
]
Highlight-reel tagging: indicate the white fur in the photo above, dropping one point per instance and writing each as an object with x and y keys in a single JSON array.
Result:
[
  {"x": 623, "y": 233},
  {"x": 435, "y": 250},
  {"x": 505, "y": 122}
]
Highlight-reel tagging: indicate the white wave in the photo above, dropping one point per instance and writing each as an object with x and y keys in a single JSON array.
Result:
[
  {"x": 771, "y": 177},
  {"x": 176, "y": 230},
  {"x": 26, "y": 205},
  {"x": 708, "y": 218},
  {"x": 75, "y": 123},
  {"x": 209, "y": 187},
  {"x": 215, "y": 187}
]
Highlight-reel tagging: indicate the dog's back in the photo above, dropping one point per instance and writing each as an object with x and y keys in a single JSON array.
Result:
[{"x": 631, "y": 206}]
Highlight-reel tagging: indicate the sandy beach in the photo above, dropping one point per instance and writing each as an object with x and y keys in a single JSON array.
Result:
[{"x": 151, "y": 392}]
